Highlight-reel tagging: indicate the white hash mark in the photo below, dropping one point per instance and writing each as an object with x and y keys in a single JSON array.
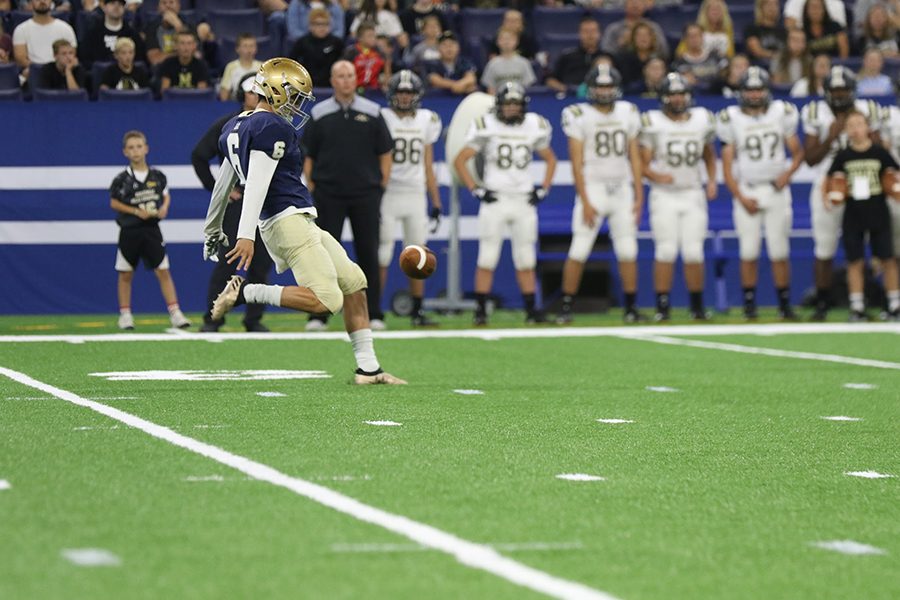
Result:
[
  {"x": 580, "y": 477},
  {"x": 91, "y": 557},
  {"x": 469, "y": 392},
  {"x": 841, "y": 418},
  {"x": 661, "y": 388},
  {"x": 383, "y": 423},
  {"x": 614, "y": 421},
  {"x": 271, "y": 394},
  {"x": 860, "y": 386},
  {"x": 868, "y": 474},
  {"x": 4, "y": 484},
  {"x": 848, "y": 547}
]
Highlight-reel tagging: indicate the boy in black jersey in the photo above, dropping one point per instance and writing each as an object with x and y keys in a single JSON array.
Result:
[
  {"x": 141, "y": 197},
  {"x": 863, "y": 164}
]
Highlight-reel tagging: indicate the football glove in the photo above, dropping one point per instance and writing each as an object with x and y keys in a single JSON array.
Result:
[
  {"x": 212, "y": 244},
  {"x": 484, "y": 195},
  {"x": 434, "y": 215},
  {"x": 537, "y": 195}
]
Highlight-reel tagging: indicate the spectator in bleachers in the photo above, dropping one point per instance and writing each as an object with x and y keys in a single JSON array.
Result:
[
  {"x": 6, "y": 6},
  {"x": 33, "y": 39},
  {"x": 812, "y": 84},
  {"x": 871, "y": 81},
  {"x": 245, "y": 47},
  {"x": 728, "y": 85},
  {"x": 453, "y": 73},
  {"x": 513, "y": 20},
  {"x": 371, "y": 65},
  {"x": 824, "y": 35},
  {"x": 124, "y": 74},
  {"x": 387, "y": 23},
  {"x": 618, "y": 34},
  {"x": 792, "y": 61},
  {"x": 573, "y": 65},
  {"x": 508, "y": 65},
  {"x": 184, "y": 70},
  {"x": 643, "y": 46},
  {"x": 793, "y": 13},
  {"x": 58, "y": 6},
  {"x": 698, "y": 65},
  {"x": 718, "y": 31},
  {"x": 879, "y": 31},
  {"x": 653, "y": 75},
  {"x": 64, "y": 73},
  {"x": 414, "y": 17},
  {"x": 318, "y": 49},
  {"x": 862, "y": 8},
  {"x": 299, "y": 14},
  {"x": 426, "y": 50},
  {"x": 6, "y": 46},
  {"x": 766, "y": 35},
  {"x": 161, "y": 32},
  {"x": 99, "y": 43}
]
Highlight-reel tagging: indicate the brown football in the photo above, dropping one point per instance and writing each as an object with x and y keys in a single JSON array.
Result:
[
  {"x": 890, "y": 183},
  {"x": 418, "y": 262},
  {"x": 836, "y": 189}
]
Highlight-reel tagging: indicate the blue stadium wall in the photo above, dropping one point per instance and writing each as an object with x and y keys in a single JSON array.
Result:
[{"x": 57, "y": 235}]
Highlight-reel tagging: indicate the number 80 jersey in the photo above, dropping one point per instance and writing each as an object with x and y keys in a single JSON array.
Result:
[
  {"x": 507, "y": 149},
  {"x": 411, "y": 134},
  {"x": 678, "y": 145},
  {"x": 606, "y": 137}
]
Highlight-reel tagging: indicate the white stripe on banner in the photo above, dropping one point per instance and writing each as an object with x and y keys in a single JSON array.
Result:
[{"x": 183, "y": 177}]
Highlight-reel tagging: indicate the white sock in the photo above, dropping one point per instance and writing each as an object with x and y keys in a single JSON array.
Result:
[
  {"x": 125, "y": 310},
  {"x": 173, "y": 308},
  {"x": 857, "y": 303},
  {"x": 893, "y": 300},
  {"x": 260, "y": 293},
  {"x": 364, "y": 350}
]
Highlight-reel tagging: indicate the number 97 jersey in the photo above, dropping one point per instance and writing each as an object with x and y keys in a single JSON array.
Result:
[
  {"x": 606, "y": 137},
  {"x": 508, "y": 149},
  {"x": 759, "y": 139}
]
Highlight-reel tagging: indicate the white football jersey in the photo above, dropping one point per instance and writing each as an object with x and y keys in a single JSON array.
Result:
[
  {"x": 508, "y": 149},
  {"x": 411, "y": 135},
  {"x": 758, "y": 139},
  {"x": 678, "y": 145},
  {"x": 890, "y": 129},
  {"x": 817, "y": 119},
  {"x": 605, "y": 136}
]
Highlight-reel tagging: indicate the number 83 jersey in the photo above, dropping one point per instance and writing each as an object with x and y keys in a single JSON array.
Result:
[
  {"x": 606, "y": 137},
  {"x": 759, "y": 139},
  {"x": 411, "y": 135},
  {"x": 507, "y": 149},
  {"x": 678, "y": 145}
]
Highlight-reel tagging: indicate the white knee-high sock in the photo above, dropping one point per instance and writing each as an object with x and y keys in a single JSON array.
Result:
[
  {"x": 259, "y": 293},
  {"x": 364, "y": 350}
]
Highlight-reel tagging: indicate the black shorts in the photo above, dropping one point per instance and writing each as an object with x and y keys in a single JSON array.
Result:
[
  {"x": 141, "y": 243},
  {"x": 880, "y": 239}
]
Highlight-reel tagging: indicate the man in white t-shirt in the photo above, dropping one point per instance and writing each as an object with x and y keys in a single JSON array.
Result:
[{"x": 33, "y": 39}]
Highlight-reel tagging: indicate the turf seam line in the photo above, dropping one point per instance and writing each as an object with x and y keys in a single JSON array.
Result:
[{"x": 470, "y": 554}]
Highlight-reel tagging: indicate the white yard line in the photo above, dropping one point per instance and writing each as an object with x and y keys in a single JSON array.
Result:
[
  {"x": 482, "y": 334},
  {"x": 834, "y": 358},
  {"x": 470, "y": 554}
]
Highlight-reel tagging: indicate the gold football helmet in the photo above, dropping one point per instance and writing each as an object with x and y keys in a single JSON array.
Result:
[{"x": 287, "y": 87}]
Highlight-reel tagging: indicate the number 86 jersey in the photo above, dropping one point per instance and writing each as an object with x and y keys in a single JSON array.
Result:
[
  {"x": 411, "y": 133},
  {"x": 508, "y": 149},
  {"x": 606, "y": 137},
  {"x": 678, "y": 145}
]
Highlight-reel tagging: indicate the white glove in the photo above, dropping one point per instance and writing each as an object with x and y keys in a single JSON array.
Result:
[{"x": 212, "y": 244}]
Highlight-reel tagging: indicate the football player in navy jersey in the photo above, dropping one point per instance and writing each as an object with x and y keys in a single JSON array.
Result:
[{"x": 262, "y": 148}]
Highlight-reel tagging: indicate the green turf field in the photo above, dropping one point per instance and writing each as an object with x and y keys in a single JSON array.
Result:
[{"x": 719, "y": 486}]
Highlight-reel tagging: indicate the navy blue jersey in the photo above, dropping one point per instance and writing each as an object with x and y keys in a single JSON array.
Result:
[{"x": 269, "y": 133}]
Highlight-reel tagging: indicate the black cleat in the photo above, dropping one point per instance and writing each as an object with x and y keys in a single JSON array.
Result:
[
  {"x": 208, "y": 327},
  {"x": 787, "y": 314},
  {"x": 700, "y": 315},
  {"x": 858, "y": 316},
  {"x": 535, "y": 316},
  {"x": 819, "y": 315},
  {"x": 420, "y": 320},
  {"x": 633, "y": 316},
  {"x": 256, "y": 327},
  {"x": 750, "y": 313},
  {"x": 479, "y": 320},
  {"x": 564, "y": 318},
  {"x": 662, "y": 315}
]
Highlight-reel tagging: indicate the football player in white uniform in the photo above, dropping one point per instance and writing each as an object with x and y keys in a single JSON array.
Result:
[
  {"x": 507, "y": 139},
  {"x": 823, "y": 126},
  {"x": 890, "y": 135},
  {"x": 753, "y": 136},
  {"x": 415, "y": 130},
  {"x": 674, "y": 141},
  {"x": 606, "y": 166}
]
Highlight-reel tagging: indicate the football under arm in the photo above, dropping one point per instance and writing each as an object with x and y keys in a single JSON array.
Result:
[
  {"x": 260, "y": 170},
  {"x": 218, "y": 202}
]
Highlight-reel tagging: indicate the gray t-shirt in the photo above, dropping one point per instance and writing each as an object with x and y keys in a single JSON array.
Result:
[{"x": 501, "y": 69}]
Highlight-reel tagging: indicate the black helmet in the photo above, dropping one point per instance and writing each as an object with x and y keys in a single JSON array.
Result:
[
  {"x": 511, "y": 92},
  {"x": 405, "y": 81},
  {"x": 672, "y": 85},
  {"x": 756, "y": 78},
  {"x": 840, "y": 89},
  {"x": 603, "y": 76}
]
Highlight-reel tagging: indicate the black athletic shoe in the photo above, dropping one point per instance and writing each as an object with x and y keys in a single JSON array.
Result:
[
  {"x": 564, "y": 318},
  {"x": 750, "y": 313},
  {"x": 535, "y": 316},
  {"x": 662, "y": 315},
  {"x": 787, "y": 314},
  {"x": 633, "y": 316},
  {"x": 700, "y": 315},
  {"x": 479, "y": 320},
  {"x": 420, "y": 320},
  {"x": 893, "y": 315},
  {"x": 210, "y": 327},
  {"x": 858, "y": 316},
  {"x": 819, "y": 315},
  {"x": 256, "y": 327}
]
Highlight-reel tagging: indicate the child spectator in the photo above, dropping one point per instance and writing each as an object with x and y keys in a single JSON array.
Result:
[
  {"x": 245, "y": 47},
  {"x": 426, "y": 50},
  {"x": 184, "y": 70},
  {"x": 791, "y": 62},
  {"x": 642, "y": 48},
  {"x": 124, "y": 74},
  {"x": 812, "y": 84},
  {"x": 823, "y": 35},
  {"x": 414, "y": 17},
  {"x": 871, "y": 81},
  {"x": 766, "y": 35},
  {"x": 513, "y": 20},
  {"x": 729, "y": 85},
  {"x": 453, "y": 73},
  {"x": 386, "y": 22},
  {"x": 140, "y": 195},
  {"x": 653, "y": 75},
  {"x": 318, "y": 49},
  {"x": 99, "y": 43},
  {"x": 699, "y": 66},
  {"x": 366, "y": 58},
  {"x": 508, "y": 65},
  {"x": 64, "y": 73},
  {"x": 878, "y": 31},
  {"x": 299, "y": 15}
]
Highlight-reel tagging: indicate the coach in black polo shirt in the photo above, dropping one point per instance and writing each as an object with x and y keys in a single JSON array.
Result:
[
  {"x": 348, "y": 148},
  {"x": 573, "y": 65}
]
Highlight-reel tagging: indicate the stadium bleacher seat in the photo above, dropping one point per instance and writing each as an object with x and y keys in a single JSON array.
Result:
[
  {"x": 479, "y": 23},
  {"x": 264, "y": 46},
  {"x": 9, "y": 76},
  {"x": 556, "y": 20},
  {"x": 741, "y": 17},
  {"x": 125, "y": 95},
  {"x": 17, "y": 17},
  {"x": 189, "y": 94},
  {"x": 60, "y": 95},
  {"x": 13, "y": 94},
  {"x": 34, "y": 71},
  {"x": 203, "y": 7},
  {"x": 231, "y": 23},
  {"x": 96, "y": 73},
  {"x": 672, "y": 19}
]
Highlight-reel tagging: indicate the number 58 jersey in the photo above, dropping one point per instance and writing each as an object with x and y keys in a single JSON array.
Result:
[
  {"x": 759, "y": 139},
  {"x": 678, "y": 145},
  {"x": 606, "y": 137},
  {"x": 507, "y": 149},
  {"x": 411, "y": 134}
]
